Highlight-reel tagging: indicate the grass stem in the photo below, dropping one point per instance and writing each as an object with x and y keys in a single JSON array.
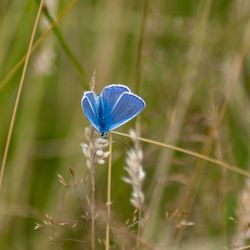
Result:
[
  {"x": 139, "y": 229},
  {"x": 93, "y": 188},
  {"x": 109, "y": 195},
  {"x": 19, "y": 92},
  {"x": 93, "y": 212},
  {"x": 189, "y": 152}
]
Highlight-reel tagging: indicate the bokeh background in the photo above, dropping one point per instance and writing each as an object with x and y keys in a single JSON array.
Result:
[{"x": 189, "y": 60}]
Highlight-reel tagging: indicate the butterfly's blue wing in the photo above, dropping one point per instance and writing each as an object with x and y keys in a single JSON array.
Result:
[
  {"x": 90, "y": 107},
  {"x": 110, "y": 95},
  {"x": 115, "y": 106},
  {"x": 126, "y": 108},
  {"x": 93, "y": 99}
]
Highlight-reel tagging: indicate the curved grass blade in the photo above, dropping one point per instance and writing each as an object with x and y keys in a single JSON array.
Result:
[{"x": 189, "y": 152}]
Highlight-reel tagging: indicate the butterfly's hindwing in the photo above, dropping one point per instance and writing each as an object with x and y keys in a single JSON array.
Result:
[
  {"x": 110, "y": 95},
  {"x": 126, "y": 108},
  {"x": 90, "y": 108}
]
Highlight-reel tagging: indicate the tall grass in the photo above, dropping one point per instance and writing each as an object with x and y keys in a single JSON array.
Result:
[
  {"x": 19, "y": 92},
  {"x": 189, "y": 60}
]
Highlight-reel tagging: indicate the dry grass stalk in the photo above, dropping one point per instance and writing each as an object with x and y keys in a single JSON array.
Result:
[
  {"x": 215, "y": 161},
  {"x": 95, "y": 153},
  {"x": 107, "y": 237},
  {"x": 135, "y": 172},
  {"x": 135, "y": 178},
  {"x": 19, "y": 92}
]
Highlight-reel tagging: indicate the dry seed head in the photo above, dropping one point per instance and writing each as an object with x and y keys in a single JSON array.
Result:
[
  {"x": 94, "y": 149},
  {"x": 135, "y": 172}
]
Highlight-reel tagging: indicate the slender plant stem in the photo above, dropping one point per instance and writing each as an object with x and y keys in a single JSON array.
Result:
[
  {"x": 19, "y": 92},
  {"x": 189, "y": 152},
  {"x": 109, "y": 195},
  {"x": 139, "y": 228},
  {"x": 93, "y": 189},
  {"x": 93, "y": 208}
]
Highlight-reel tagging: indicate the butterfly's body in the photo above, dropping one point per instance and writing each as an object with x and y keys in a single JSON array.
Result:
[{"x": 115, "y": 106}]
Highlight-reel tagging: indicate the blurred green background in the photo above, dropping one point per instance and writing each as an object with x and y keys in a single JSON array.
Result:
[{"x": 189, "y": 60}]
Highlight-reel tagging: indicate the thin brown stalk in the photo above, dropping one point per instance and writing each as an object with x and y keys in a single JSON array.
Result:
[
  {"x": 107, "y": 240},
  {"x": 227, "y": 166},
  {"x": 139, "y": 228},
  {"x": 93, "y": 211},
  {"x": 19, "y": 92},
  {"x": 93, "y": 190},
  {"x": 94, "y": 152}
]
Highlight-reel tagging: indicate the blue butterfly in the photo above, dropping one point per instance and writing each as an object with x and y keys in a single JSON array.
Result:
[{"x": 115, "y": 106}]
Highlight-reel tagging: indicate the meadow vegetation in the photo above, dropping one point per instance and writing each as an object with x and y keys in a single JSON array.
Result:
[{"x": 180, "y": 171}]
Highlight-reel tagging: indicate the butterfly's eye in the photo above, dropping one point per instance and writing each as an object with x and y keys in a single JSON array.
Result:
[{"x": 104, "y": 135}]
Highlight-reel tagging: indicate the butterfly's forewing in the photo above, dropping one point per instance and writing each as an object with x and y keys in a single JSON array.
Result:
[
  {"x": 126, "y": 108},
  {"x": 110, "y": 95},
  {"x": 93, "y": 99},
  {"x": 90, "y": 108}
]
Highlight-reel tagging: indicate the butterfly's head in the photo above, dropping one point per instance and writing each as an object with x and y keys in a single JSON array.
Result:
[{"x": 104, "y": 135}]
